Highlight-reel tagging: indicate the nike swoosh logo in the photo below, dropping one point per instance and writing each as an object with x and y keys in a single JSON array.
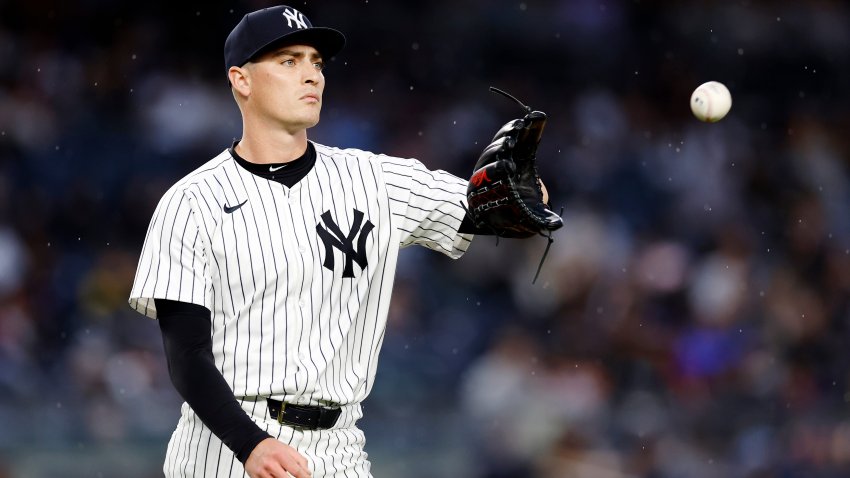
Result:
[
  {"x": 273, "y": 169},
  {"x": 230, "y": 209}
]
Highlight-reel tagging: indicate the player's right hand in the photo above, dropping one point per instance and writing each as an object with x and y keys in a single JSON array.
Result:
[{"x": 273, "y": 459}]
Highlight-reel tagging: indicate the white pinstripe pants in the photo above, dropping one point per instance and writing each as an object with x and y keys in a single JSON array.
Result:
[{"x": 194, "y": 452}]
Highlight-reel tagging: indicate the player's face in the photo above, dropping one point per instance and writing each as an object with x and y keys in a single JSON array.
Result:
[{"x": 287, "y": 85}]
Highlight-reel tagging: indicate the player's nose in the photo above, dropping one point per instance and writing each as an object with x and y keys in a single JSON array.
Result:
[{"x": 311, "y": 74}]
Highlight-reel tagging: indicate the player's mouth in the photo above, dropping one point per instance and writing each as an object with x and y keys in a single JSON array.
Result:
[{"x": 311, "y": 98}]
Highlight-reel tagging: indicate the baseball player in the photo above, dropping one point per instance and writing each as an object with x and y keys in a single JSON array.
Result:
[{"x": 270, "y": 268}]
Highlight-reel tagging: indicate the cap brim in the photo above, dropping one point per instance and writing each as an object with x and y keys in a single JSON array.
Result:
[{"x": 327, "y": 41}]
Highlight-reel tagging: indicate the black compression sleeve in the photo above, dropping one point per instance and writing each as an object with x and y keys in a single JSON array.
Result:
[{"x": 188, "y": 348}]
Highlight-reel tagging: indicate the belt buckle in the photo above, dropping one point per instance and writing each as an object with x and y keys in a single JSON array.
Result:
[{"x": 280, "y": 412}]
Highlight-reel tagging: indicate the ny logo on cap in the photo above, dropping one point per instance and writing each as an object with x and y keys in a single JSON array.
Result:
[{"x": 294, "y": 16}]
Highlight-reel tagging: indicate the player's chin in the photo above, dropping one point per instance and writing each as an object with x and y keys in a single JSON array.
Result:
[
  {"x": 303, "y": 120},
  {"x": 309, "y": 123},
  {"x": 312, "y": 118}
]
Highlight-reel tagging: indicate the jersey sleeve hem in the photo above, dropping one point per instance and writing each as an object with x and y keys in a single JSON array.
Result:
[
  {"x": 147, "y": 307},
  {"x": 461, "y": 245}
]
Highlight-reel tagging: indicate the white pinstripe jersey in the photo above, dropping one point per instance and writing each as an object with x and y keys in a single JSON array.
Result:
[{"x": 298, "y": 279}]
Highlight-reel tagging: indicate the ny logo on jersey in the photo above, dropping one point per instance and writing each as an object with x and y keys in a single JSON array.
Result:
[
  {"x": 334, "y": 237},
  {"x": 294, "y": 16}
]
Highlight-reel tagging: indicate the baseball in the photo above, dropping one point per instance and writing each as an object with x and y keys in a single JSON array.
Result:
[{"x": 711, "y": 101}]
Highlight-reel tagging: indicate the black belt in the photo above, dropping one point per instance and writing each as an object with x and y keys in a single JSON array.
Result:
[{"x": 303, "y": 416}]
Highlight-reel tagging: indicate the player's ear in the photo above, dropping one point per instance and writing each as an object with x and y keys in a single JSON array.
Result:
[{"x": 240, "y": 80}]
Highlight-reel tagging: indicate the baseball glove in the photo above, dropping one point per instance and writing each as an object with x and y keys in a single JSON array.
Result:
[{"x": 504, "y": 193}]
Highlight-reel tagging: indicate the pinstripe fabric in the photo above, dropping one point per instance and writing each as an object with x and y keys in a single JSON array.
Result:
[
  {"x": 298, "y": 281},
  {"x": 335, "y": 453}
]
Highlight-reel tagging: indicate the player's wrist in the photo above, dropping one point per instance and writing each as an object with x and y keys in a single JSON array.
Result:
[{"x": 250, "y": 444}]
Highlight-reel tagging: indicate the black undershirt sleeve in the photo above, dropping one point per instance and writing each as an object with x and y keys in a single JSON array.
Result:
[{"x": 188, "y": 348}]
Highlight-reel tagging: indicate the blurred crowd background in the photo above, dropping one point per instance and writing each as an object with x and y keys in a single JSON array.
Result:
[{"x": 692, "y": 317}]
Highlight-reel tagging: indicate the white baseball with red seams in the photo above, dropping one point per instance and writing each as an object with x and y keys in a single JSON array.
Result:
[{"x": 711, "y": 101}]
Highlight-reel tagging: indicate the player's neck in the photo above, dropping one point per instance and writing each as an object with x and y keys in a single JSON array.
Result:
[{"x": 272, "y": 147}]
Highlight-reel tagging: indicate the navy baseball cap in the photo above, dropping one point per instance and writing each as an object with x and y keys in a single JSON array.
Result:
[{"x": 264, "y": 28}]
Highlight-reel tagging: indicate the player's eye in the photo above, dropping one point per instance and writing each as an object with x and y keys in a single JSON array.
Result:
[
  {"x": 289, "y": 62},
  {"x": 319, "y": 65}
]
